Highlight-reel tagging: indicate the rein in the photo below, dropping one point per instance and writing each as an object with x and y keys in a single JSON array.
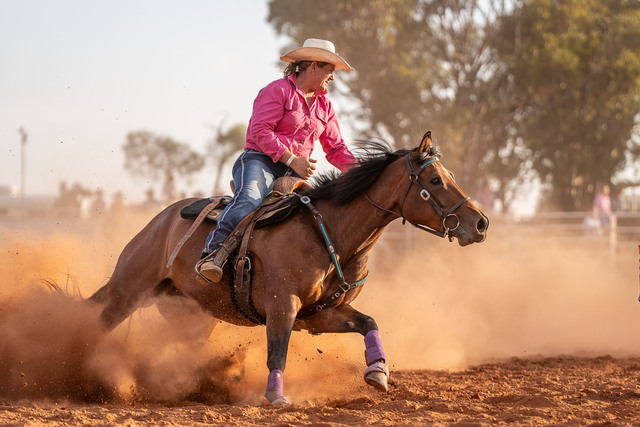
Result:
[
  {"x": 414, "y": 177},
  {"x": 343, "y": 287},
  {"x": 242, "y": 288}
]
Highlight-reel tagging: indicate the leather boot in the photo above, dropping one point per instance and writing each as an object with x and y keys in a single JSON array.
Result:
[
  {"x": 211, "y": 271},
  {"x": 210, "y": 266}
]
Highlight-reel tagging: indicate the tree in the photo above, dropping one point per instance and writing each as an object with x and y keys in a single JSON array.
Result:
[
  {"x": 574, "y": 77},
  {"x": 159, "y": 157},
  {"x": 223, "y": 147},
  {"x": 420, "y": 65},
  {"x": 511, "y": 88},
  {"x": 373, "y": 36}
]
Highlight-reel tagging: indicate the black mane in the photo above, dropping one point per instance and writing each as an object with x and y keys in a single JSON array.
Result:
[{"x": 374, "y": 157}]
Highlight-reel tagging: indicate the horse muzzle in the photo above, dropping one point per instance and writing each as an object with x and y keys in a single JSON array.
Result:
[{"x": 468, "y": 232}]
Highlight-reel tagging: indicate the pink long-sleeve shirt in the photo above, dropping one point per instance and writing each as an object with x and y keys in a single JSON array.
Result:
[{"x": 282, "y": 121}]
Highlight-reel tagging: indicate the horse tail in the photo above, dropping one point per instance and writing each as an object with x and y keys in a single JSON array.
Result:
[{"x": 101, "y": 296}]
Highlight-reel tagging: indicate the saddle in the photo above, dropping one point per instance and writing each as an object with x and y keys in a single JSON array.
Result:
[
  {"x": 215, "y": 205},
  {"x": 276, "y": 207}
]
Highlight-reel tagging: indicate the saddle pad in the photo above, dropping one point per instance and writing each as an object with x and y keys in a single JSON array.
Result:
[
  {"x": 283, "y": 212},
  {"x": 193, "y": 210}
]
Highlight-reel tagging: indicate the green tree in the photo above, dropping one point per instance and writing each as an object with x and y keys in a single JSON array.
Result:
[
  {"x": 509, "y": 88},
  {"x": 574, "y": 82},
  {"x": 420, "y": 65},
  {"x": 222, "y": 148},
  {"x": 159, "y": 157}
]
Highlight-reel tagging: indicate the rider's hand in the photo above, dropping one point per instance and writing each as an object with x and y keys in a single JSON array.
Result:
[{"x": 303, "y": 166}]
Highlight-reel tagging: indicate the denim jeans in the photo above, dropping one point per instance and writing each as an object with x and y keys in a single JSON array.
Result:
[{"x": 253, "y": 176}]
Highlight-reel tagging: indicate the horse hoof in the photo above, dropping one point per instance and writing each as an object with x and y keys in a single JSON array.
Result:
[
  {"x": 377, "y": 380},
  {"x": 277, "y": 400},
  {"x": 281, "y": 401}
]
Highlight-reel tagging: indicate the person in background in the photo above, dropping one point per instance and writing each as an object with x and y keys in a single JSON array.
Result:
[
  {"x": 602, "y": 205},
  {"x": 289, "y": 115}
]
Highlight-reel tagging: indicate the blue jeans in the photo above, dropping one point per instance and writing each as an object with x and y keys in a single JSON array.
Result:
[{"x": 253, "y": 176}]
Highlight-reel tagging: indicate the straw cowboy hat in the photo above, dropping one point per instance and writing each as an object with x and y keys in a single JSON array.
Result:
[{"x": 317, "y": 50}]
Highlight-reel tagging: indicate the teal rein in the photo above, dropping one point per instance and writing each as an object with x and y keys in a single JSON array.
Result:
[{"x": 344, "y": 286}]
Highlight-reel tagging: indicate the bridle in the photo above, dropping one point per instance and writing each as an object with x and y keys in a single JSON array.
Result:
[{"x": 414, "y": 178}]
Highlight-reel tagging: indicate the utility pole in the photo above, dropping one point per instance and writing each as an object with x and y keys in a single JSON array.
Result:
[{"x": 23, "y": 144}]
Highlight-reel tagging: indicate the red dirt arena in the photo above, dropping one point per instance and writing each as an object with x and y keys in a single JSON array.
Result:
[{"x": 522, "y": 329}]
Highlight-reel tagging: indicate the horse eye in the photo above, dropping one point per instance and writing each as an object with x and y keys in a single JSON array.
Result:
[{"x": 436, "y": 181}]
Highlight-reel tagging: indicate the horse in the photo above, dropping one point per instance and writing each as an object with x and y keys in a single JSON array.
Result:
[{"x": 308, "y": 269}]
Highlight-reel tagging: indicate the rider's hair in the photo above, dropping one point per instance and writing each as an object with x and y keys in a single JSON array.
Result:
[{"x": 296, "y": 67}]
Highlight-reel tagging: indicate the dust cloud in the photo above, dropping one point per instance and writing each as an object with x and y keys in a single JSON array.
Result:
[
  {"x": 521, "y": 293},
  {"x": 438, "y": 306}
]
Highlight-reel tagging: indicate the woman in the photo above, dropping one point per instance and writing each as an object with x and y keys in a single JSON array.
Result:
[{"x": 288, "y": 116}]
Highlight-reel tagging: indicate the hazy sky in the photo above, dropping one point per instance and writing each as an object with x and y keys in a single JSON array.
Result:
[{"x": 79, "y": 74}]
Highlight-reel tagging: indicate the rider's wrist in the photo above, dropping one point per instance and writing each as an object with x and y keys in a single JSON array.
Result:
[{"x": 290, "y": 160}]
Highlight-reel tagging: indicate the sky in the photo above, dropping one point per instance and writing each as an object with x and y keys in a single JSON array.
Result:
[{"x": 78, "y": 75}]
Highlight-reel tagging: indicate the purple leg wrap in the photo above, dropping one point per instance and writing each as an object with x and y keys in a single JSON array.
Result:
[
  {"x": 373, "y": 348},
  {"x": 274, "y": 383},
  {"x": 274, "y": 389}
]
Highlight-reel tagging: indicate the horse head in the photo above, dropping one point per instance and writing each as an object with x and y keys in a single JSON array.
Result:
[{"x": 433, "y": 202}]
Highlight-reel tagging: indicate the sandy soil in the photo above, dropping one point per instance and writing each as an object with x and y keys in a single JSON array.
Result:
[
  {"x": 534, "y": 391},
  {"x": 523, "y": 329}
]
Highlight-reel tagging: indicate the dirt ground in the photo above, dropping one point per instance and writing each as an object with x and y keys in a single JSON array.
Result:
[
  {"x": 523, "y": 329},
  {"x": 533, "y": 391}
]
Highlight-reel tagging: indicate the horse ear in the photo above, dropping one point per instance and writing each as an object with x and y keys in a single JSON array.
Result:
[{"x": 426, "y": 142}]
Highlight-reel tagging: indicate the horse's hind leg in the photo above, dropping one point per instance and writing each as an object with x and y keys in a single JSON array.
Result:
[
  {"x": 117, "y": 309},
  {"x": 125, "y": 296},
  {"x": 185, "y": 317},
  {"x": 101, "y": 296},
  {"x": 347, "y": 319},
  {"x": 117, "y": 306}
]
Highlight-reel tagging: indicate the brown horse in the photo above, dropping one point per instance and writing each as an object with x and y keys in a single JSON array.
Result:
[{"x": 306, "y": 270}]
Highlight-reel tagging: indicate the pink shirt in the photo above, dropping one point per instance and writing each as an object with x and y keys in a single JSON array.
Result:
[
  {"x": 282, "y": 121},
  {"x": 602, "y": 203}
]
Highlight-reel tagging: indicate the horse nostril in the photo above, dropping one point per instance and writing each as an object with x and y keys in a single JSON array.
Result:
[{"x": 482, "y": 225}]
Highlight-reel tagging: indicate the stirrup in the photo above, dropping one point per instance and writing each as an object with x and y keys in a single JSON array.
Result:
[{"x": 202, "y": 260}]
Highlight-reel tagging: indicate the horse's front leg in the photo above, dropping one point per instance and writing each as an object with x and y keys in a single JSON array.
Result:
[
  {"x": 347, "y": 319},
  {"x": 281, "y": 314}
]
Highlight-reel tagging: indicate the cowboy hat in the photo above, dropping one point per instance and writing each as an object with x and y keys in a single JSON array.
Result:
[{"x": 317, "y": 50}]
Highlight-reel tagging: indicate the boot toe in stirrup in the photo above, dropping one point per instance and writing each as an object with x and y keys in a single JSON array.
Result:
[{"x": 211, "y": 271}]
